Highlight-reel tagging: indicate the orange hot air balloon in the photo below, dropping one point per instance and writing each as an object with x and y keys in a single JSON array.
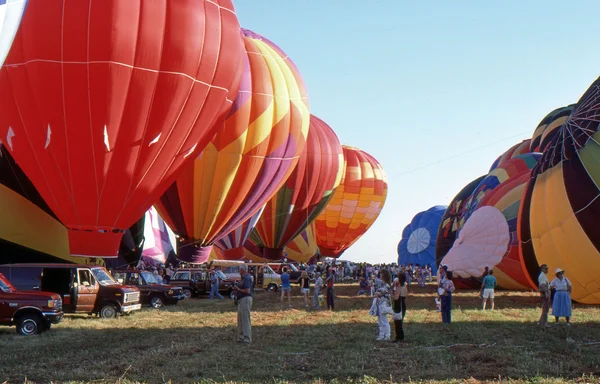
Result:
[
  {"x": 303, "y": 247},
  {"x": 355, "y": 205},
  {"x": 104, "y": 101},
  {"x": 304, "y": 194},
  {"x": 247, "y": 161}
]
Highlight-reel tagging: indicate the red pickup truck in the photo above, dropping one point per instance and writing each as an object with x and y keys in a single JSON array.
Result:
[{"x": 31, "y": 311}]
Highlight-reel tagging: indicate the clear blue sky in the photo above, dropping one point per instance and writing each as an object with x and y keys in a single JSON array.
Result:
[{"x": 435, "y": 90}]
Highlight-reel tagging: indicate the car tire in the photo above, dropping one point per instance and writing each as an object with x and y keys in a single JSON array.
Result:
[
  {"x": 157, "y": 302},
  {"x": 187, "y": 293},
  {"x": 30, "y": 324},
  {"x": 272, "y": 288},
  {"x": 108, "y": 311}
]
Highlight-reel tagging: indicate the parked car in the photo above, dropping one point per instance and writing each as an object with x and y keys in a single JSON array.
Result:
[
  {"x": 196, "y": 282},
  {"x": 264, "y": 276},
  {"x": 32, "y": 312},
  {"x": 152, "y": 292},
  {"x": 83, "y": 288}
]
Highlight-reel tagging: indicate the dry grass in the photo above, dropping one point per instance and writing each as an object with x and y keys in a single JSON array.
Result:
[{"x": 195, "y": 342}]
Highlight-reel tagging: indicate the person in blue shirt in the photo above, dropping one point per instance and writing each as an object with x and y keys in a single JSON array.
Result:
[
  {"x": 487, "y": 289},
  {"x": 286, "y": 286},
  {"x": 244, "y": 292}
]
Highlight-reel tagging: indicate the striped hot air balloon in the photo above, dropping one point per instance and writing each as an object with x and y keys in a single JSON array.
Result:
[
  {"x": 355, "y": 205},
  {"x": 559, "y": 215},
  {"x": 248, "y": 160},
  {"x": 304, "y": 194},
  {"x": 303, "y": 247},
  {"x": 548, "y": 127}
]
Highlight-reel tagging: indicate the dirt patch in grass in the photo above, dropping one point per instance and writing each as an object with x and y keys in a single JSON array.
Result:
[{"x": 195, "y": 342}]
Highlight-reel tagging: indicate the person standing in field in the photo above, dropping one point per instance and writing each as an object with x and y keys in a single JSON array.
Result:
[
  {"x": 329, "y": 283},
  {"x": 286, "y": 286},
  {"x": 399, "y": 294},
  {"x": 561, "y": 303},
  {"x": 305, "y": 287},
  {"x": 317, "y": 290},
  {"x": 487, "y": 289},
  {"x": 544, "y": 290},
  {"x": 445, "y": 292},
  {"x": 244, "y": 292}
]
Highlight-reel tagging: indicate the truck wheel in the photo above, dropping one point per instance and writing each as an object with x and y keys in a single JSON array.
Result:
[
  {"x": 272, "y": 288},
  {"x": 156, "y": 302},
  {"x": 187, "y": 293},
  {"x": 108, "y": 311},
  {"x": 30, "y": 324}
]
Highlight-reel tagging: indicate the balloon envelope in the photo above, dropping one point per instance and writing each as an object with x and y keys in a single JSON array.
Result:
[
  {"x": 303, "y": 247},
  {"x": 247, "y": 161},
  {"x": 355, "y": 205},
  {"x": 102, "y": 122},
  {"x": 560, "y": 209},
  {"x": 417, "y": 245}
]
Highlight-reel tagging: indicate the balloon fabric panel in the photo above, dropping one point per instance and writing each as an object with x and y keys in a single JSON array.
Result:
[
  {"x": 417, "y": 245},
  {"x": 102, "y": 129},
  {"x": 548, "y": 127},
  {"x": 303, "y": 247}
]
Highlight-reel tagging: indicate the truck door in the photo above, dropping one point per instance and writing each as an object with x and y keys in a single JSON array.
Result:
[{"x": 87, "y": 291}]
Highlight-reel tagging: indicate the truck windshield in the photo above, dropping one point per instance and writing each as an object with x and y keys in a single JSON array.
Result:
[
  {"x": 149, "y": 278},
  {"x": 293, "y": 267},
  {"x": 5, "y": 285},
  {"x": 103, "y": 277},
  {"x": 268, "y": 270}
]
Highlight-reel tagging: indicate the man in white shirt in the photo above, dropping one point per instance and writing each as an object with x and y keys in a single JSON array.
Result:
[{"x": 544, "y": 289}]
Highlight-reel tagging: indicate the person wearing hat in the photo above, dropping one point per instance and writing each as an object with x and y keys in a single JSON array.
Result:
[{"x": 561, "y": 304}]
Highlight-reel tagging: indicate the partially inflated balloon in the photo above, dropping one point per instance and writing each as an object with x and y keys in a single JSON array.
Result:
[
  {"x": 304, "y": 194},
  {"x": 303, "y": 247},
  {"x": 355, "y": 205},
  {"x": 449, "y": 225},
  {"x": 102, "y": 121},
  {"x": 548, "y": 127},
  {"x": 560, "y": 209},
  {"x": 417, "y": 245},
  {"x": 232, "y": 244},
  {"x": 248, "y": 160},
  {"x": 514, "y": 151}
]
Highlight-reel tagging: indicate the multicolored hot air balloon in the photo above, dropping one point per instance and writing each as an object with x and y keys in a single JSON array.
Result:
[
  {"x": 548, "y": 127},
  {"x": 560, "y": 210},
  {"x": 11, "y": 14},
  {"x": 417, "y": 245},
  {"x": 450, "y": 221},
  {"x": 157, "y": 247},
  {"x": 103, "y": 121},
  {"x": 514, "y": 151},
  {"x": 303, "y": 247},
  {"x": 355, "y": 205},
  {"x": 232, "y": 244},
  {"x": 248, "y": 160},
  {"x": 304, "y": 194},
  {"x": 502, "y": 189}
]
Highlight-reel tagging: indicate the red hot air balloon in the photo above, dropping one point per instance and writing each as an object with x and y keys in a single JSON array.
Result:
[
  {"x": 355, "y": 206},
  {"x": 305, "y": 193},
  {"x": 102, "y": 121},
  {"x": 247, "y": 161}
]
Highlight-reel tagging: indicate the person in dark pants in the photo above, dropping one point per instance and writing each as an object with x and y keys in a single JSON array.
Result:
[
  {"x": 399, "y": 293},
  {"x": 329, "y": 283},
  {"x": 446, "y": 296}
]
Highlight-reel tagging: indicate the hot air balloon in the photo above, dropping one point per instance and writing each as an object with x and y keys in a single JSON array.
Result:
[
  {"x": 247, "y": 161},
  {"x": 502, "y": 188},
  {"x": 417, "y": 245},
  {"x": 304, "y": 194},
  {"x": 560, "y": 210},
  {"x": 514, "y": 151},
  {"x": 356, "y": 203},
  {"x": 548, "y": 127},
  {"x": 303, "y": 247},
  {"x": 232, "y": 244},
  {"x": 11, "y": 13},
  {"x": 103, "y": 121},
  {"x": 450, "y": 221},
  {"x": 481, "y": 242}
]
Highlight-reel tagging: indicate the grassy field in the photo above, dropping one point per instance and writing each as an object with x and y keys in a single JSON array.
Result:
[{"x": 195, "y": 342}]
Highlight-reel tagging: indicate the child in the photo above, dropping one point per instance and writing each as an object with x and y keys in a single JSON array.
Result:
[
  {"x": 381, "y": 308},
  {"x": 363, "y": 287}
]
